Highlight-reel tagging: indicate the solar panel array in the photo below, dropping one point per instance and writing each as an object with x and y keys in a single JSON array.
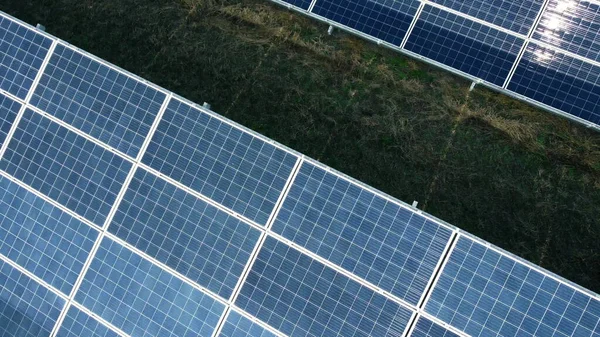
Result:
[
  {"x": 128, "y": 211},
  {"x": 546, "y": 52}
]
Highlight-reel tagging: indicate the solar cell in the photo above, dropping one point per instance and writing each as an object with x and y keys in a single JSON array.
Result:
[
  {"x": 230, "y": 166},
  {"x": 387, "y": 20},
  {"x": 468, "y": 46},
  {"x": 41, "y": 238},
  {"x": 142, "y": 299},
  {"x": 560, "y": 81},
  {"x": 189, "y": 235},
  {"x": 110, "y": 106},
  {"x": 518, "y": 16},
  {"x": 66, "y": 167},
  {"x": 237, "y": 325},
  {"x": 302, "y": 297},
  {"x": 426, "y": 328},
  {"x": 8, "y": 112},
  {"x": 378, "y": 240},
  {"x": 573, "y": 26},
  {"x": 485, "y": 293},
  {"x": 22, "y": 52},
  {"x": 26, "y": 307},
  {"x": 78, "y": 324}
]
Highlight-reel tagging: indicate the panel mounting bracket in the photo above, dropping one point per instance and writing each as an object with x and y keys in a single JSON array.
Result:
[
  {"x": 206, "y": 106},
  {"x": 41, "y": 27},
  {"x": 330, "y": 30}
]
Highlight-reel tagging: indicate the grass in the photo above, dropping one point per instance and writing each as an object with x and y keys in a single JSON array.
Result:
[{"x": 518, "y": 177}]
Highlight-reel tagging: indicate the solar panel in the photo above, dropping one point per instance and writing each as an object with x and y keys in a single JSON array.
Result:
[
  {"x": 378, "y": 240},
  {"x": 65, "y": 166},
  {"x": 560, "y": 81},
  {"x": 218, "y": 231},
  {"x": 486, "y": 293},
  {"x": 26, "y": 307},
  {"x": 41, "y": 238},
  {"x": 142, "y": 299},
  {"x": 231, "y": 167},
  {"x": 189, "y": 235},
  {"x": 300, "y": 296},
  {"x": 464, "y": 44},
  {"x": 22, "y": 51}
]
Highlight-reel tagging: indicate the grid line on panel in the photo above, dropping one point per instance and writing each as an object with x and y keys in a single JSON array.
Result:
[
  {"x": 9, "y": 109},
  {"x": 27, "y": 98},
  {"x": 102, "y": 321},
  {"x": 438, "y": 269},
  {"x": 78, "y": 323},
  {"x": 238, "y": 324},
  {"x": 412, "y": 24},
  {"x": 424, "y": 327}
]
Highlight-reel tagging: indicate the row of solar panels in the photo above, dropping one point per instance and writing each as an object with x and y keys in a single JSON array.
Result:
[
  {"x": 546, "y": 52},
  {"x": 127, "y": 210}
]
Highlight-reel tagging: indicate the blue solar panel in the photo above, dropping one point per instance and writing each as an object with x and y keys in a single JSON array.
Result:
[
  {"x": 302, "y": 297},
  {"x": 110, "y": 106},
  {"x": 8, "y": 112},
  {"x": 224, "y": 163},
  {"x": 426, "y": 328},
  {"x": 516, "y": 15},
  {"x": 376, "y": 239},
  {"x": 572, "y": 25},
  {"x": 237, "y": 325},
  {"x": 78, "y": 324},
  {"x": 22, "y": 52},
  {"x": 26, "y": 308},
  {"x": 39, "y": 237},
  {"x": 485, "y": 293},
  {"x": 194, "y": 238},
  {"x": 387, "y": 20},
  {"x": 65, "y": 166},
  {"x": 463, "y": 44},
  {"x": 560, "y": 81},
  {"x": 142, "y": 299}
]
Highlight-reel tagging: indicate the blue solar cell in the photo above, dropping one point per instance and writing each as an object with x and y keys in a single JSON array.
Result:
[
  {"x": 518, "y": 16},
  {"x": 463, "y": 44},
  {"x": 224, "y": 163},
  {"x": 78, "y": 324},
  {"x": 142, "y": 299},
  {"x": 304, "y": 4},
  {"x": 485, "y": 293},
  {"x": 8, "y": 112},
  {"x": 559, "y": 81},
  {"x": 426, "y": 328},
  {"x": 41, "y": 238},
  {"x": 110, "y": 106},
  {"x": 66, "y": 167},
  {"x": 572, "y": 25},
  {"x": 387, "y": 20},
  {"x": 378, "y": 240},
  {"x": 237, "y": 325},
  {"x": 22, "y": 52},
  {"x": 26, "y": 308},
  {"x": 300, "y": 296},
  {"x": 198, "y": 240}
]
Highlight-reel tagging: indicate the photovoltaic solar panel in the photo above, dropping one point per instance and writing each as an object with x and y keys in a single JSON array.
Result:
[
  {"x": 232, "y": 167},
  {"x": 142, "y": 299},
  {"x": 427, "y": 328},
  {"x": 189, "y": 235},
  {"x": 518, "y": 16},
  {"x": 485, "y": 293},
  {"x": 237, "y": 325},
  {"x": 26, "y": 307},
  {"x": 41, "y": 238},
  {"x": 65, "y": 166},
  {"x": 378, "y": 240},
  {"x": 302, "y": 297},
  {"x": 463, "y": 44},
  {"x": 387, "y": 20},
  {"x": 560, "y": 81},
  {"x": 573, "y": 26},
  {"x": 102, "y": 102},
  {"x": 22, "y": 51},
  {"x": 78, "y": 324},
  {"x": 8, "y": 112}
]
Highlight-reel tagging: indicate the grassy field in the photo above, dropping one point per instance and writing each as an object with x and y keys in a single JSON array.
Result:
[{"x": 516, "y": 176}]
